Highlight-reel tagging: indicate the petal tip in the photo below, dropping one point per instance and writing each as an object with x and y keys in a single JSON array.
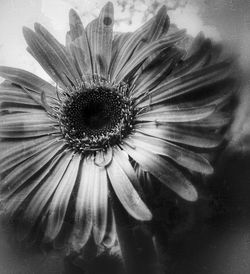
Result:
[
  {"x": 191, "y": 196},
  {"x": 27, "y": 32},
  {"x": 72, "y": 13},
  {"x": 74, "y": 17},
  {"x": 162, "y": 10},
  {"x": 107, "y": 14}
]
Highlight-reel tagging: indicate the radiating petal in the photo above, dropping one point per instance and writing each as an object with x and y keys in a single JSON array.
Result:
[
  {"x": 180, "y": 134},
  {"x": 189, "y": 83},
  {"x": 27, "y": 79},
  {"x": 60, "y": 51},
  {"x": 164, "y": 171},
  {"x": 177, "y": 115},
  {"x": 42, "y": 196},
  {"x": 100, "y": 203},
  {"x": 195, "y": 59},
  {"x": 149, "y": 32},
  {"x": 126, "y": 193},
  {"x": 35, "y": 84},
  {"x": 182, "y": 156},
  {"x": 84, "y": 206},
  {"x": 100, "y": 35},
  {"x": 137, "y": 60},
  {"x": 122, "y": 160},
  {"x": 16, "y": 153},
  {"x": 225, "y": 93},
  {"x": 110, "y": 234},
  {"x": 13, "y": 94},
  {"x": 28, "y": 168},
  {"x": 79, "y": 45},
  {"x": 23, "y": 125},
  {"x": 118, "y": 40},
  {"x": 215, "y": 121},
  {"x": 48, "y": 59},
  {"x": 157, "y": 70},
  {"x": 60, "y": 200}
]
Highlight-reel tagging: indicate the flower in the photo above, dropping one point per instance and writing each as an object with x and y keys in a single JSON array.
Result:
[{"x": 119, "y": 101}]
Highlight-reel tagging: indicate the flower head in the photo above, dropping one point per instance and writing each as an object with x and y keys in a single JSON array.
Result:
[{"x": 119, "y": 101}]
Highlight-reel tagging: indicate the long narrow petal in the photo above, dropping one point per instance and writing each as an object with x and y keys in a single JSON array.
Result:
[
  {"x": 184, "y": 157},
  {"x": 122, "y": 160},
  {"x": 100, "y": 35},
  {"x": 164, "y": 172},
  {"x": 137, "y": 60},
  {"x": 100, "y": 203},
  {"x": 180, "y": 134},
  {"x": 118, "y": 41},
  {"x": 23, "y": 125},
  {"x": 110, "y": 234},
  {"x": 79, "y": 45},
  {"x": 189, "y": 83},
  {"x": 84, "y": 206},
  {"x": 196, "y": 60},
  {"x": 177, "y": 115},
  {"x": 28, "y": 168},
  {"x": 44, "y": 193},
  {"x": 28, "y": 80},
  {"x": 13, "y": 94},
  {"x": 156, "y": 71},
  {"x": 48, "y": 58},
  {"x": 216, "y": 121},
  {"x": 150, "y": 31},
  {"x": 20, "y": 151},
  {"x": 126, "y": 193},
  {"x": 60, "y": 51},
  {"x": 59, "y": 203},
  {"x": 225, "y": 91}
]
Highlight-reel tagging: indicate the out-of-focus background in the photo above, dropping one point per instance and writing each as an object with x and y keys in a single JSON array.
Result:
[{"x": 219, "y": 240}]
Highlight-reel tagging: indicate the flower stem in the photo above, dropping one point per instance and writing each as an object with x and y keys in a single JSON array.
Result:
[{"x": 136, "y": 243}]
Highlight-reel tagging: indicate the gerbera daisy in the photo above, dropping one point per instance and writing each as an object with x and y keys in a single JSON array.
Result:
[{"x": 119, "y": 101}]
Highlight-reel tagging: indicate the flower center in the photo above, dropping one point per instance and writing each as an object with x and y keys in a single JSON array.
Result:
[{"x": 95, "y": 117}]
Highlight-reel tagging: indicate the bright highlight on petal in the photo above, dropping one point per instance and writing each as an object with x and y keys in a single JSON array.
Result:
[{"x": 120, "y": 103}]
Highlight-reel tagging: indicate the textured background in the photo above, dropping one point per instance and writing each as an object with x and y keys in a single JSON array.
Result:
[{"x": 217, "y": 238}]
